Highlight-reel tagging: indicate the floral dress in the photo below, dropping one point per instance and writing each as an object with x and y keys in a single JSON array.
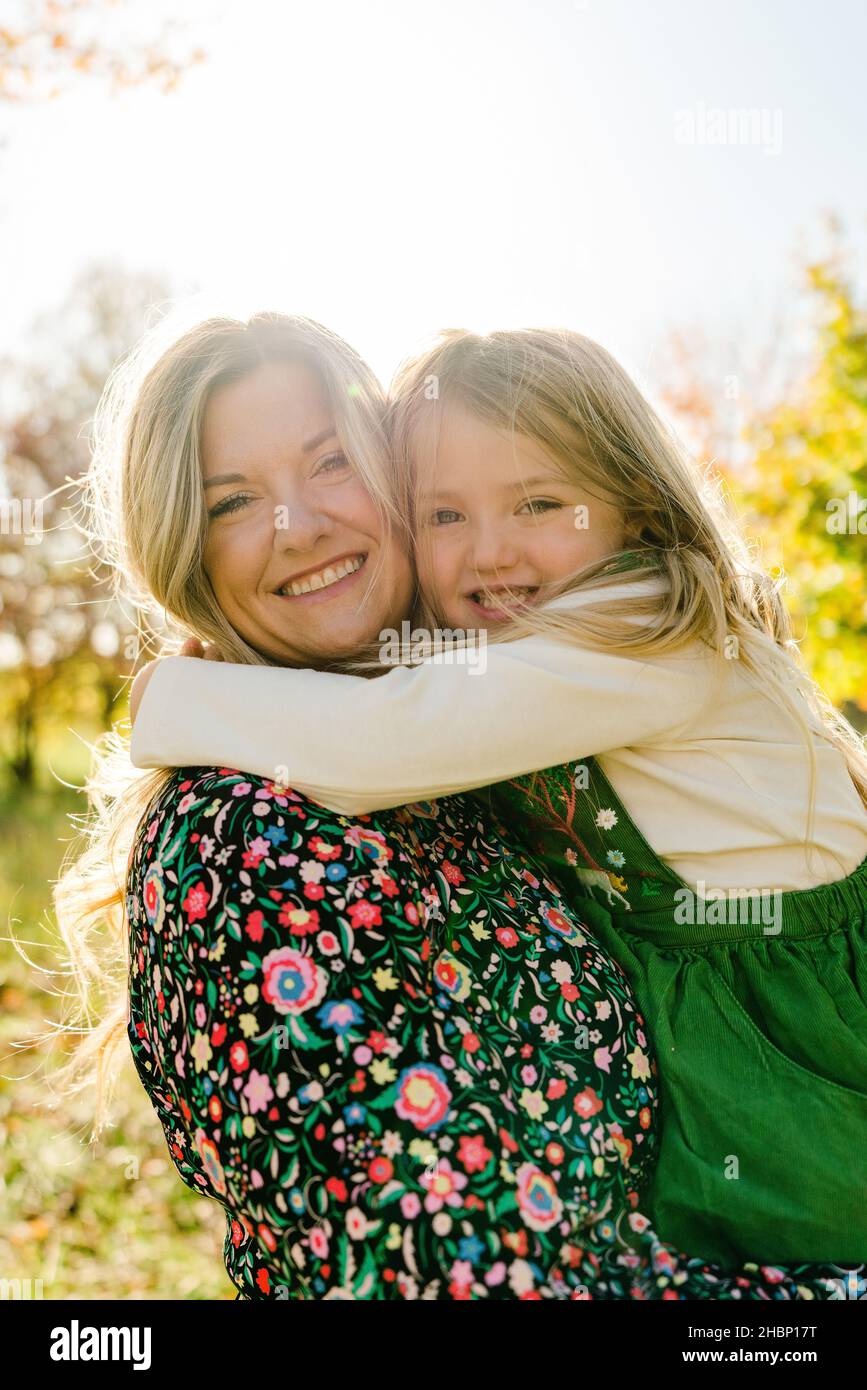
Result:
[{"x": 393, "y": 1054}]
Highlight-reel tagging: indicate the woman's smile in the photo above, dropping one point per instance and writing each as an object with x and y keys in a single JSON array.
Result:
[{"x": 326, "y": 582}]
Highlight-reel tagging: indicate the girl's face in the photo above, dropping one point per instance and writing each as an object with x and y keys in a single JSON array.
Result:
[
  {"x": 294, "y": 539},
  {"x": 495, "y": 517}
]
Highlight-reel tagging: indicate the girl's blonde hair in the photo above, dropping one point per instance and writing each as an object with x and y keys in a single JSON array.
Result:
[
  {"x": 570, "y": 396},
  {"x": 145, "y": 515}
]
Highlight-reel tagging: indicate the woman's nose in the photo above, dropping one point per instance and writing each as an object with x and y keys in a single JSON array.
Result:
[{"x": 298, "y": 524}]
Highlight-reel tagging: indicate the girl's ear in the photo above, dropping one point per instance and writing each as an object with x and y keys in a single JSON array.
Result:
[{"x": 638, "y": 534}]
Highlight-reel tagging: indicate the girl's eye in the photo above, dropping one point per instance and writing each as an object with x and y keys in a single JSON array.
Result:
[
  {"x": 331, "y": 463},
  {"x": 230, "y": 504},
  {"x": 538, "y": 505},
  {"x": 444, "y": 516}
]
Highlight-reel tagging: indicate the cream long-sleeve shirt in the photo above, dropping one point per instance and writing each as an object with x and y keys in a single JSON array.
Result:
[{"x": 714, "y": 774}]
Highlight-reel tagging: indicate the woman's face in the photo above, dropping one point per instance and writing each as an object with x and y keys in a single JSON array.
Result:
[
  {"x": 294, "y": 539},
  {"x": 497, "y": 521}
]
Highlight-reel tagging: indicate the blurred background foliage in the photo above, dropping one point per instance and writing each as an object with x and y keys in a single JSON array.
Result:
[
  {"x": 111, "y": 1220},
  {"x": 785, "y": 426},
  {"x": 115, "y": 1221}
]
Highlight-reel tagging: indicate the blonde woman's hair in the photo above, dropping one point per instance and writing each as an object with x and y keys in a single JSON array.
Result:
[
  {"x": 143, "y": 510},
  {"x": 573, "y": 398}
]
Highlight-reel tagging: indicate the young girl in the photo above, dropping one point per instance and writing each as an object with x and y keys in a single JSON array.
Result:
[{"x": 707, "y": 803}]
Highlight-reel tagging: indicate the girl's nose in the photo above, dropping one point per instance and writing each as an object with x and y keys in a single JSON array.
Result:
[{"x": 493, "y": 551}]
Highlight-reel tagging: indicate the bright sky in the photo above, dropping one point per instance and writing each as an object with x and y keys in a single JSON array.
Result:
[{"x": 392, "y": 167}]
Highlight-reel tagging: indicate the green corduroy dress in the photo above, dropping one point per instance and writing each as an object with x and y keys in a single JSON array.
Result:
[{"x": 757, "y": 1016}]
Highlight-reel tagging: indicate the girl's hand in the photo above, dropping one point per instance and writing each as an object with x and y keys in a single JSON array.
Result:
[{"x": 193, "y": 647}]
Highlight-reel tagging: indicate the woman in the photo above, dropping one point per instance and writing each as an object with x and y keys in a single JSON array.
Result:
[{"x": 383, "y": 1044}]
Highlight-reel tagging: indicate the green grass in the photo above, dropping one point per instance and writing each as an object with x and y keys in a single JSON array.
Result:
[{"x": 112, "y": 1220}]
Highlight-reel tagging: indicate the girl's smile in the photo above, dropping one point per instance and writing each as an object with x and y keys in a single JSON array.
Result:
[{"x": 490, "y": 601}]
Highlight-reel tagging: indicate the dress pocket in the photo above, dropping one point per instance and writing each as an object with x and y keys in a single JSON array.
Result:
[
  {"x": 771, "y": 1050},
  {"x": 760, "y": 1155}
]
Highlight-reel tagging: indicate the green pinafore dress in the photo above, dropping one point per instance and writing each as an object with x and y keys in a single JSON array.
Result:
[{"x": 757, "y": 1014}]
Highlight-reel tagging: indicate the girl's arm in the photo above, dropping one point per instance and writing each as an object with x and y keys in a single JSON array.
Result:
[{"x": 418, "y": 732}]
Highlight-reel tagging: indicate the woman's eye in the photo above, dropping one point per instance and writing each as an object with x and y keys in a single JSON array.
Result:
[
  {"x": 230, "y": 504},
  {"x": 444, "y": 516},
  {"x": 538, "y": 505},
  {"x": 331, "y": 463}
]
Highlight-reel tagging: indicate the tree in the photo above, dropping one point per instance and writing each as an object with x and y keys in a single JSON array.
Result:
[
  {"x": 715, "y": 387},
  {"x": 806, "y": 489},
  {"x": 787, "y": 429},
  {"x": 46, "y": 46},
  {"x": 65, "y": 646}
]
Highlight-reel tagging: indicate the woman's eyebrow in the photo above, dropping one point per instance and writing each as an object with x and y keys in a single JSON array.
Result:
[
  {"x": 330, "y": 433},
  {"x": 225, "y": 478},
  {"x": 306, "y": 448}
]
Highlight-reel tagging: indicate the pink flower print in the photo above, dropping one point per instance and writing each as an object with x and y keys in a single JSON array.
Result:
[
  {"x": 461, "y": 1274},
  {"x": 602, "y": 1058},
  {"x": 258, "y": 1092},
  {"x": 443, "y": 1185},
  {"x": 257, "y": 850},
  {"x": 319, "y": 1243}
]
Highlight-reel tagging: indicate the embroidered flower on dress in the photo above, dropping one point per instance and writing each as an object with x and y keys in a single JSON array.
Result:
[
  {"x": 538, "y": 1201},
  {"x": 452, "y": 976},
  {"x": 293, "y": 982},
  {"x": 153, "y": 896},
  {"x": 423, "y": 1096}
]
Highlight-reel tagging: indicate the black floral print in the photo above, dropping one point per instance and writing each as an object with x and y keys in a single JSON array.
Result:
[{"x": 393, "y": 1054}]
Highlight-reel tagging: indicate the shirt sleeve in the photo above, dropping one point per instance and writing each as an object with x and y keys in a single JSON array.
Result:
[{"x": 418, "y": 732}]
